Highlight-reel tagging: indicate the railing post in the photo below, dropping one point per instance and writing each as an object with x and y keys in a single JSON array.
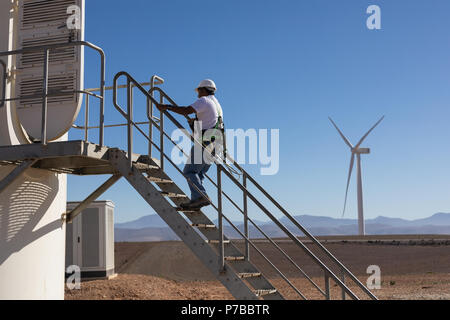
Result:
[
  {"x": 247, "y": 246},
  {"x": 150, "y": 126},
  {"x": 327, "y": 286},
  {"x": 86, "y": 118},
  {"x": 219, "y": 207},
  {"x": 161, "y": 133},
  {"x": 150, "y": 116},
  {"x": 130, "y": 117},
  {"x": 45, "y": 99},
  {"x": 102, "y": 101},
  {"x": 155, "y": 80},
  {"x": 343, "y": 281}
]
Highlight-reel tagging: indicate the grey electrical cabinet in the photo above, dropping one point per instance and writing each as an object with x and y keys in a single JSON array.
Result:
[{"x": 90, "y": 240}]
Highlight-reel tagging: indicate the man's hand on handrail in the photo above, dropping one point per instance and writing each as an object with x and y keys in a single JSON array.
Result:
[
  {"x": 184, "y": 111},
  {"x": 162, "y": 107}
]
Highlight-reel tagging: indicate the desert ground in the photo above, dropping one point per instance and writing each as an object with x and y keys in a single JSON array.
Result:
[{"x": 412, "y": 267}]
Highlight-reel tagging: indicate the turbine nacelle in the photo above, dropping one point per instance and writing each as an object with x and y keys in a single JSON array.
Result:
[{"x": 361, "y": 151}]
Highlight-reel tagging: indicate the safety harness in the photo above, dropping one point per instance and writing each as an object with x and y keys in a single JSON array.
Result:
[{"x": 211, "y": 137}]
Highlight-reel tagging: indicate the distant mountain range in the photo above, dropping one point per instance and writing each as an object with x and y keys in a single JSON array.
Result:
[{"x": 153, "y": 228}]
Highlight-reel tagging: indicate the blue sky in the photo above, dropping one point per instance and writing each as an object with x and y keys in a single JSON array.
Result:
[{"x": 289, "y": 65}]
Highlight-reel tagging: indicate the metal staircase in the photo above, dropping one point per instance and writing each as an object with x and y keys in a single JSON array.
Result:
[
  {"x": 164, "y": 196},
  {"x": 235, "y": 269},
  {"x": 206, "y": 240}
]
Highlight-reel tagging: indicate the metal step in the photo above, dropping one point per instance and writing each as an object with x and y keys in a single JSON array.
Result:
[
  {"x": 174, "y": 195},
  {"x": 217, "y": 241},
  {"x": 204, "y": 226},
  {"x": 187, "y": 210},
  {"x": 146, "y": 167},
  {"x": 237, "y": 258},
  {"x": 249, "y": 275},
  {"x": 264, "y": 292},
  {"x": 159, "y": 180}
]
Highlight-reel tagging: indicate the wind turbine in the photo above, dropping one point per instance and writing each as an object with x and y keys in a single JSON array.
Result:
[{"x": 356, "y": 151}]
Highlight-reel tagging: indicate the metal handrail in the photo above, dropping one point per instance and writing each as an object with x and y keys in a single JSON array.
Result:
[
  {"x": 131, "y": 122},
  {"x": 90, "y": 92},
  {"x": 144, "y": 84},
  {"x": 328, "y": 272},
  {"x": 45, "y": 94},
  {"x": 271, "y": 199},
  {"x": 55, "y": 93},
  {"x": 245, "y": 190},
  {"x": 74, "y": 126}
]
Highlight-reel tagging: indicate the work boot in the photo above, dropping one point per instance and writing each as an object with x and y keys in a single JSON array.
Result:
[{"x": 196, "y": 204}]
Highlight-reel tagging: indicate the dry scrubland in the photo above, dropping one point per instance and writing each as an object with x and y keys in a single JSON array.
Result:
[{"x": 411, "y": 268}]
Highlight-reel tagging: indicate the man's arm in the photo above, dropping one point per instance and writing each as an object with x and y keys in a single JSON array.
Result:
[{"x": 184, "y": 111}]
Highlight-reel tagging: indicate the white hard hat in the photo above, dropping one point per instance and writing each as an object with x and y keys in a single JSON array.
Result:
[{"x": 207, "y": 84}]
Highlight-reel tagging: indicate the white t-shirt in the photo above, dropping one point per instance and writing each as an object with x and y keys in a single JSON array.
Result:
[{"x": 208, "y": 110}]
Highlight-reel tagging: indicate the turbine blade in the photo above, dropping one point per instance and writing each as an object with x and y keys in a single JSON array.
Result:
[
  {"x": 350, "y": 170},
  {"x": 341, "y": 134},
  {"x": 368, "y": 132}
]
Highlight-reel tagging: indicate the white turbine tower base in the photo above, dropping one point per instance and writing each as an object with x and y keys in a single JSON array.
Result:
[
  {"x": 356, "y": 151},
  {"x": 32, "y": 233}
]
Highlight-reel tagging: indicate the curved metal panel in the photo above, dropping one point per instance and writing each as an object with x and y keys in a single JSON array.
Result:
[{"x": 46, "y": 22}]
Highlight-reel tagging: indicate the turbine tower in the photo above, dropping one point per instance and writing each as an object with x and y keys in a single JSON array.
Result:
[
  {"x": 32, "y": 200},
  {"x": 356, "y": 151}
]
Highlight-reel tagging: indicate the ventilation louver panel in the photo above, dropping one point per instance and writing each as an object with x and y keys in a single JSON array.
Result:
[
  {"x": 35, "y": 59},
  {"x": 44, "y": 22},
  {"x": 45, "y": 12},
  {"x": 56, "y": 84}
]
